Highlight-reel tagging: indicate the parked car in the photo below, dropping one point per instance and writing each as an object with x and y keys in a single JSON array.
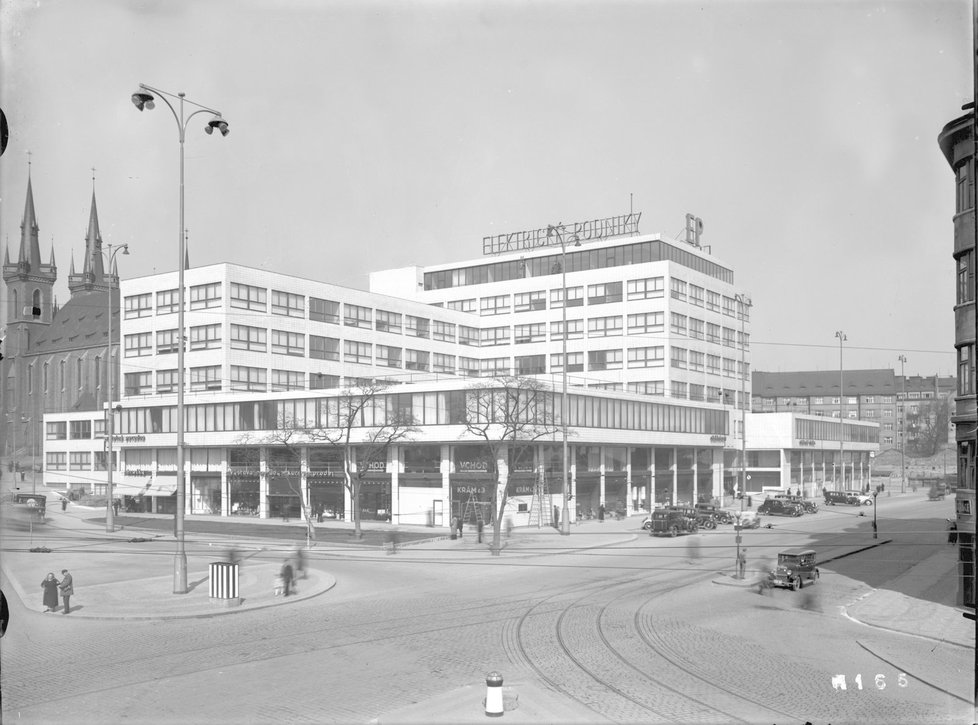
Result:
[
  {"x": 722, "y": 516},
  {"x": 673, "y": 520},
  {"x": 851, "y": 498},
  {"x": 808, "y": 507},
  {"x": 778, "y": 507},
  {"x": 748, "y": 520},
  {"x": 794, "y": 569}
]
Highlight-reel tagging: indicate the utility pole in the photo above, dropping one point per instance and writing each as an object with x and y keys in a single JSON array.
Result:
[{"x": 903, "y": 426}]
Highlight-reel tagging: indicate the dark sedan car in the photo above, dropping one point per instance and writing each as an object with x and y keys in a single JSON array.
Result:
[
  {"x": 809, "y": 507},
  {"x": 777, "y": 507}
]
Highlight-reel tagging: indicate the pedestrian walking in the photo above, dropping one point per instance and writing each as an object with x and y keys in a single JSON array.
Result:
[
  {"x": 392, "y": 541},
  {"x": 601, "y": 513},
  {"x": 300, "y": 563},
  {"x": 116, "y": 505},
  {"x": 22, "y": 474},
  {"x": 67, "y": 588},
  {"x": 287, "y": 578},
  {"x": 458, "y": 524},
  {"x": 509, "y": 526},
  {"x": 50, "y": 586},
  {"x": 454, "y": 527},
  {"x": 742, "y": 564},
  {"x": 478, "y": 528},
  {"x": 64, "y": 503}
]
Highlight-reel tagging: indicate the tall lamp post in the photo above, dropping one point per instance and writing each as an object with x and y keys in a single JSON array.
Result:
[
  {"x": 144, "y": 98},
  {"x": 842, "y": 466},
  {"x": 113, "y": 249},
  {"x": 745, "y": 304},
  {"x": 903, "y": 427},
  {"x": 551, "y": 231}
]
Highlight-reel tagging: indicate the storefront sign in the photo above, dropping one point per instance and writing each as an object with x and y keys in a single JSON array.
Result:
[
  {"x": 615, "y": 226},
  {"x": 718, "y": 439},
  {"x": 523, "y": 488},
  {"x": 129, "y": 439},
  {"x": 472, "y": 466},
  {"x": 470, "y": 489},
  {"x": 806, "y": 442}
]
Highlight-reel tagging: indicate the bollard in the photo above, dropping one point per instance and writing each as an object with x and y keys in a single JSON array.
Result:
[{"x": 494, "y": 694}]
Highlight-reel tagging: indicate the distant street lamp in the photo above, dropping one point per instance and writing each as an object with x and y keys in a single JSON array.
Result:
[
  {"x": 114, "y": 249},
  {"x": 842, "y": 466},
  {"x": 903, "y": 427},
  {"x": 556, "y": 230},
  {"x": 144, "y": 98}
]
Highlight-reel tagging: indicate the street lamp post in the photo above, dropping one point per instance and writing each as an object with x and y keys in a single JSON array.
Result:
[
  {"x": 556, "y": 230},
  {"x": 114, "y": 249},
  {"x": 842, "y": 466},
  {"x": 903, "y": 427},
  {"x": 745, "y": 303},
  {"x": 144, "y": 98},
  {"x": 30, "y": 422}
]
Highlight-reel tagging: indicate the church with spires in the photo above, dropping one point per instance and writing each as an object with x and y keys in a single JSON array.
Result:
[{"x": 54, "y": 356}]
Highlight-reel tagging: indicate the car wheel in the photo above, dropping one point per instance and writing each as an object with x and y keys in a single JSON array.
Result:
[
  {"x": 673, "y": 531},
  {"x": 869, "y": 503},
  {"x": 795, "y": 585}
]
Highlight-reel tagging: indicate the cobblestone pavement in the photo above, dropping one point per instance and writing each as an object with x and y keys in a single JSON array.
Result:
[{"x": 590, "y": 631}]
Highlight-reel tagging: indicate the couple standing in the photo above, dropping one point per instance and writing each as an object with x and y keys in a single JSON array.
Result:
[{"x": 52, "y": 587}]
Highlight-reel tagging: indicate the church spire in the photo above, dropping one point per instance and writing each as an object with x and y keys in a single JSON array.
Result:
[
  {"x": 30, "y": 249},
  {"x": 92, "y": 275}
]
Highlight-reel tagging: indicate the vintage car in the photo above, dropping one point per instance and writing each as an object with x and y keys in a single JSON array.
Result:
[
  {"x": 721, "y": 516},
  {"x": 808, "y": 507},
  {"x": 794, "y": 569},
  {"x": 674, "y": 520},
  {"x": 851, "y": 498},
  {"x": 778, "y": 507},
  {"x": 747, "y": 519}
]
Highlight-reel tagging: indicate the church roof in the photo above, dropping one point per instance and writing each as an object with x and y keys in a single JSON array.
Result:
[
  {"x": 81, "y": 323},
  {"x": 823, "y": 382}
]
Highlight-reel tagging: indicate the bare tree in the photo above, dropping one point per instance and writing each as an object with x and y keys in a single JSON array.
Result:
[{"x": 509, "y": 412}]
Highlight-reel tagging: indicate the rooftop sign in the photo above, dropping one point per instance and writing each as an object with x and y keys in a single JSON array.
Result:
[{"x": 615, "y": 226}]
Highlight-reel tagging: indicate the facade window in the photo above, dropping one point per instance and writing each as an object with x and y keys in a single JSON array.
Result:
[
  {"x": 204, "y": 296},
  {"x": 417, "y": 326},
  {"x": 575, "y": 329},
  {"x": 678, "y": 323},
  {"x": 441, "y": 363},
  {"x": 646, "y": 357},
  {"x": 729, "y": 306},
  {"x": 205, "y": 337},
  {"x": 461, "y": 305},
  {"x": 167, "y": 302},
  {"x": 604, "y": 360},
  {"x": 468, "y": 367},
  {"x": 244, "y": 337},
  {"x": 575, "y": 362},
  {"x": 248, "y": 378},
  {"x": 529, "y": 301},
  {"x": 55, "y": 461},
  {"x": 743, "y": 340},
  {"x": 30, "y": 377},
  {"x": 697, "y": 296},
  {"x": 288, "y": 343},
  {"x": 324, "y": 310},
  {"x": 468, "y": 336},
  {"x": 166, "y": 342},
  {"x": 138, "y": 383},
  {"x": 677, "y": 289},
  {"x": 247, "y": 297},
  {"x": 495, "y": 336},
  {"x": 966, "y": 370},
  {"x": 575, "y": 297},
  {"x": 287, "y": 380},
  {"x": 357, "y": 316},
  {"x": 966, "y": 277},
  {"x": 679, "y": 357},
  {"x": 138, "y": 345},
  {"x": 207, "y": 377},
  {"x": 416, "y": 360},
  {"x": 389, "y": 357},
  {"x": 166, "y": 381},
  {"x": 887, "y": 399},
  {"x": 679, "y": 389},
  {"x": 869, "y": 399},
  {"x": 729, "y": 337},
  {"x": 319, "y": 381},
  {"x": 357, "y": 352},
  {"x": 494, "y": 367},
  {"x": 729, "y": 368},
  {"x": 388, "y": 322},
  {"x": 139, "y": 306},
  {"x": 604, "y": 326},
  {"x": 288, "y": 304},
  {"x": 647, "y": 387},
  {"x": 494, "y": 305},
  {"x": 537, "y": 332},
  {"x": 80, "y": 430},
  {"x": 697, "y": 392},
  {"x": 697, "y": 329},
  {"x": 818, "y": 401},
  {"x": 646, "y": 323},
  {"x": 599, "y": 294},
  {"x": 712, "y": 301},
  {"x": 712, "y": 333},
  {"x": 852, "y": 400},
  {"x": 44, "y": 376},
  {"x": 57, "y": 431},
  {"x": 324, "y": 348},
  {"x": 444, "y": 331},
  {"x": 531, "y": 364},
  {"x": 713, "y": 364},
  {"x": 646, "y": 289},
  {"x": 887, "y": 412},
  {"x": 697, "y": 360}
]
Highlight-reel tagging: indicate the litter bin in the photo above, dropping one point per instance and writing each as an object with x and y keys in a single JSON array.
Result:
[{"x": 224, "y": 583}]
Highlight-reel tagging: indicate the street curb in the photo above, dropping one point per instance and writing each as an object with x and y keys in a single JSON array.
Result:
[{"x": 917, "y": 677}]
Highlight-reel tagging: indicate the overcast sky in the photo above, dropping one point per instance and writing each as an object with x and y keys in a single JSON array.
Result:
[{"x": 372, "y": 135}]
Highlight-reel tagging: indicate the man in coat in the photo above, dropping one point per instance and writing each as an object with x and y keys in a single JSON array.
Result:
[
  {"x": 67, "y": 589},
  {"x": 286, "y": 578}
]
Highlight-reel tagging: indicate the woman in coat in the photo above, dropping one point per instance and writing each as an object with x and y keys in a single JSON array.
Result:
[{"x": 50, "y": 586}]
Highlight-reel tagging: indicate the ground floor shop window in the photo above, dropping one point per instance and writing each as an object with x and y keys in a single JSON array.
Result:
[
  {"x": 205, "y": 495},
  {"x": 243, "y": 496}
]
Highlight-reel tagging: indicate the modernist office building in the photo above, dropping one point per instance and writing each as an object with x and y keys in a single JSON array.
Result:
[
  {"x": 657, "y": 357},
  {"x": 957, "y": 142}
]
